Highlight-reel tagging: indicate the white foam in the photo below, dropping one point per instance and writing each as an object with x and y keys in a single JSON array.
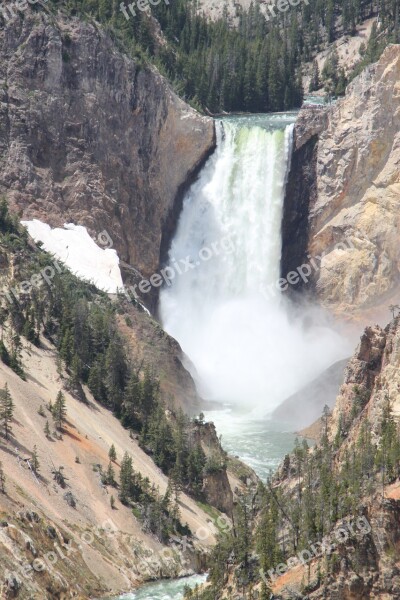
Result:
[{"x": 247, "y": 348}]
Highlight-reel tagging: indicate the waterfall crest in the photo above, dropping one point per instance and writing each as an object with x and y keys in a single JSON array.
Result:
[{"x": 245, "y": 347}]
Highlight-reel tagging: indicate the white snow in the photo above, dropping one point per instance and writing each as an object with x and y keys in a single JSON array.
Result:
[{"x": 74, "y": 247}]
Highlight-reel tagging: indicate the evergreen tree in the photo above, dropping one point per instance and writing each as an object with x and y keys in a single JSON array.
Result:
[
  {"x": 115, "y": 374},
  {"x": 109, "y": 476},
  {"x": 330, "y": 72},
  {"x": 2, "y": 479},
  {"x": 6, "y": 410},
  {"x": 35, "y": 461},
  {"x": 126, "y": 476},
  {"x": 315, "y": 82},
  {"x": 59, "y": 411},
  {"x": 4, "y": 215},
  {"x": 112, "y": 455},
  {"x": 47, "y": 430}
]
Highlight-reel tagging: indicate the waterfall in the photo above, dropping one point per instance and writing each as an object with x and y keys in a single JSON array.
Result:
[{"x": 244, "y": 347}]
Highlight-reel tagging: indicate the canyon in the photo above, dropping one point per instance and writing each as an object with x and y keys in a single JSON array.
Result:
[{"x": 92, "y": 137}]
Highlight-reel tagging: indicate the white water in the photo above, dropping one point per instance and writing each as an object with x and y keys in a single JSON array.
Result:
[
  {"x": 245, "y": 349},
  {"x": 165, "y": 590}
]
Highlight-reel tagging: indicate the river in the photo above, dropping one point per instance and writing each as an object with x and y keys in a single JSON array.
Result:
[{"x": 248, "y": 349}]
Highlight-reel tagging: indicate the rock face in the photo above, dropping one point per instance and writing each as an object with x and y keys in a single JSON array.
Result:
[
  {"x": 89, "y": 136},
  {"x": 149, "y": 344},
  {"x": 217, "y": 490},
  {"x": 344, "y": 187},
  {"x": 373, "y": 375},
  {"x": 306, "y": 405}
]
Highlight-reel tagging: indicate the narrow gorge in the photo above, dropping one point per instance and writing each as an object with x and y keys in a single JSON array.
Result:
[{"x": 199, "y": 267}]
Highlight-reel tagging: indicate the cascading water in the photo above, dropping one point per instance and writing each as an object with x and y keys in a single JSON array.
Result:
[{"x": 245, "y": 347}]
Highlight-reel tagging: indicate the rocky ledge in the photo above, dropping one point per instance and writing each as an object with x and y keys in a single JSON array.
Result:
[
  {"x": 344, "y": 188},
  {"x": 89, "y": 136}
]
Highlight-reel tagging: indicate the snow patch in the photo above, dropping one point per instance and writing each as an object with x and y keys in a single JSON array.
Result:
[{"x": 74, "y": 247}]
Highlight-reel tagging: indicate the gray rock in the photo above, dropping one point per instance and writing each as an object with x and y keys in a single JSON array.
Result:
[{"x": 343, "y": 187}]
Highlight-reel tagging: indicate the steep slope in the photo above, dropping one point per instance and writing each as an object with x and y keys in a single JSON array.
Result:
[
  {"x": 74, "y": 521},
  {"x": 327, "y": 525},
  {"x": 344, "y": 189},
  {"x": 109, "y": 547},
  {"x": 91, "y": 137},
  {"x": 306, "y": 405}
]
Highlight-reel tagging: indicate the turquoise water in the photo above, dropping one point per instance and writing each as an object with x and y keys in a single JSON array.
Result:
[
  {"x": 234, "y": 336},
  {"x": 165, "y": 590},
  {"x": 260, "y": 443}
]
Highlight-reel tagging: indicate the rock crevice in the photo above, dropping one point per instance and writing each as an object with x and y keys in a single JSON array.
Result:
[{"x": 344, "y": 187}]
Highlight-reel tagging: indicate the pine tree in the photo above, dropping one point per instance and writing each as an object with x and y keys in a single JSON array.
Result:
[
  {"x": 95, "y": 381},
  {"x": 59, "y": 411},
  {"x": 47, "y": 430},
  {"x": 2, "y": 479},
  {"x": 6, "y": 410},
  {"x": 35, "y": 461},
  {"x": 126, "y": 475},
  {"x": 109, "y": 476},
  {"x": 315, "y": 82},
  {"x": 112, "y": 454},
  {"x": 330, "y": 72},
  {"x": 4, "y": 215},
  {"x": 175, "y": 482},
  {"x": 115, "y": 374}
]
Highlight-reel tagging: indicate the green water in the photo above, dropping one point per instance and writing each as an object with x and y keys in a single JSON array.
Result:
[
  {"x": 234, "y": 337},
  {"x": 258, "y": 442},
  {"x": 164, "y": 590}
]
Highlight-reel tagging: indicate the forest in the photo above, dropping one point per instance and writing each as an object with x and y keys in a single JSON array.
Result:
[
  {"x": 254, "y": 65},
  {"x": 80, "y": 321},
  {"x": 299, "y": 506}
]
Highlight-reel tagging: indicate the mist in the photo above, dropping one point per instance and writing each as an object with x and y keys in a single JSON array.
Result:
[{"x": 246, "y": 348}]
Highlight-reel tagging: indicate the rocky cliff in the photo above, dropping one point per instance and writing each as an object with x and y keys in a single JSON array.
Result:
[
  {"x": 89, "y": 136},
  {"x": 366, "y": 566},
  {"x": 371, "y": 378},
  {"x": 344, "y": 188},
  {"x": 349, "y": 488}
]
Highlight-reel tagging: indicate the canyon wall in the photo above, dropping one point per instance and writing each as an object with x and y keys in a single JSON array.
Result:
[
  {"x": 344, "y": 188},
  {"x": 89, "y": 136}
]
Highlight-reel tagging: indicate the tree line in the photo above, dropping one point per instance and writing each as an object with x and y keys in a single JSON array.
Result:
[
  {"x": 254, "y": 66},
  {"x": 301, "y": 504},
  {"x": 81, "y": 322}
]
